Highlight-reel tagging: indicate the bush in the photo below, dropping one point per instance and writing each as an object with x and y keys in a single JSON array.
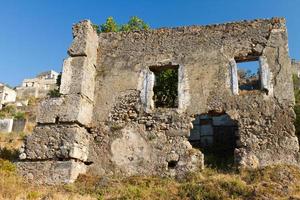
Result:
[
  {"x": 9, "y": 154},
  {"x": 134, "y": 24},
  {"x": 8, "y": 111},
  {"x": 54, "y": 93},
  {"x": 6, "y": 166},
  {"x": 109, "y": 26},
  {"x": 19, "y": 115}
]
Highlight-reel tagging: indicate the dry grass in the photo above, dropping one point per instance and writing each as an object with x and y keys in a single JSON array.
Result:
[{"x": 276, "y": 182}]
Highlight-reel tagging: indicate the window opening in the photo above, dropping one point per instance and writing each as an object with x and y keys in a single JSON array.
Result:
[
  {"x": 248, "y": 75},
  {"x": 165, "y": 86}
]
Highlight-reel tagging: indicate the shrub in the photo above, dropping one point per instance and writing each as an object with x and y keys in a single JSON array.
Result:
[
  {"x": 19, "y": 115},
  {"x": 8, "y": 111},
  {"x": 54, "y": 93},
  {"x": 9, "y": 154},
  {"x": 134, "y": 24},
  {"x": 109, "y": 26},
  {"x": 7, "y": 167}
]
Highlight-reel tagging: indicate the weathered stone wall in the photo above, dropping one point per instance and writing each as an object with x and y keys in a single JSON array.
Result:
[
  {"x": 265, "y": 118},
  {"x": 6, "y": 125},
  {"x": 105, "y": 122}
]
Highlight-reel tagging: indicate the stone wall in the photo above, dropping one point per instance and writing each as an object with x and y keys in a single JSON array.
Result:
[
  {"x": 105, "y": 123},
  {"x": 6, "y": 125},
  {"x": 7, "y": 95}
]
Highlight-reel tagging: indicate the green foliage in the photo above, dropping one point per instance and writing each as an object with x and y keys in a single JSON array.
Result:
[
  {"x": 166, "y": 88},
  {"x": 8, "y": 111},
  {"x": 54, "y": 93},
  {"x": 109, "y": 26},
  {"x": 134, "y": 24},
  {"x": 9, "y": 154},
  {"x": 33, "y": 195},
  {"x": 19, "y": 115},
  {"x": 58, "y": 80},
  {"x": 7, "y": 166},
  {"x": 296, "y": 82},
  {"x": 32, "y": 101}
]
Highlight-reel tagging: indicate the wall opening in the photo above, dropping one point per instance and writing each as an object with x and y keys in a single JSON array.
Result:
[
  {"x": 215, "y": 134},
  {"x": 165, "y": 87},
  {"x": 248, "y": 74}
]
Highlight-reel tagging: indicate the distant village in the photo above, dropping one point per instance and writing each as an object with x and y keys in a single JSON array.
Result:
[{"x": 15, "y": 102}]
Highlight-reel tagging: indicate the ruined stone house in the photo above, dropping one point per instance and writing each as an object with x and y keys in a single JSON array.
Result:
[
  {"x": 39, "y": 86},
  {"x": 107, "y": 121}
]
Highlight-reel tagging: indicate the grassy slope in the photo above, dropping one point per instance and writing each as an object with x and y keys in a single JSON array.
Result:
[{"x": 277, "y": 182}]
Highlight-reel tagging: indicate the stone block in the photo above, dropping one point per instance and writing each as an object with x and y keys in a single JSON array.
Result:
[
  {"x": 78, "y": 77},
  {"x": 51, "y": 172},
  {"x": 85, "y": 41},
  {"x": 57, "y": 142},
  {"x": 68, "y": 108}
]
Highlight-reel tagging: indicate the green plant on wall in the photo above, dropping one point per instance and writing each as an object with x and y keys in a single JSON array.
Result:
[
  {"x": 134, "y": 24},
  {"x": 109, "y": 26}
]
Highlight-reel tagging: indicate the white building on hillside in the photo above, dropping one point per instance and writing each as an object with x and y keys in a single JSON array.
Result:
[
  {"x": 39, "y": 86},
  {"x": 7, "y": 95}
]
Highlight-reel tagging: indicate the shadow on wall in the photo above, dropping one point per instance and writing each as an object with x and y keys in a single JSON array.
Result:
[{"x": 215, "y": 134}]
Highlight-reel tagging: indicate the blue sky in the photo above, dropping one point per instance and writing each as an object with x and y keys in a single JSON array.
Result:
[{"x": 35, "y": 34}]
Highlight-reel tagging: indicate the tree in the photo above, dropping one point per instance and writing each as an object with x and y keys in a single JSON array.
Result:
[
  {"x": 55, "y": 92},
  {"x": 165, "y": 88},
  {"x": 135, "y": 24},
  {"x": 109, "y": 26}
]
